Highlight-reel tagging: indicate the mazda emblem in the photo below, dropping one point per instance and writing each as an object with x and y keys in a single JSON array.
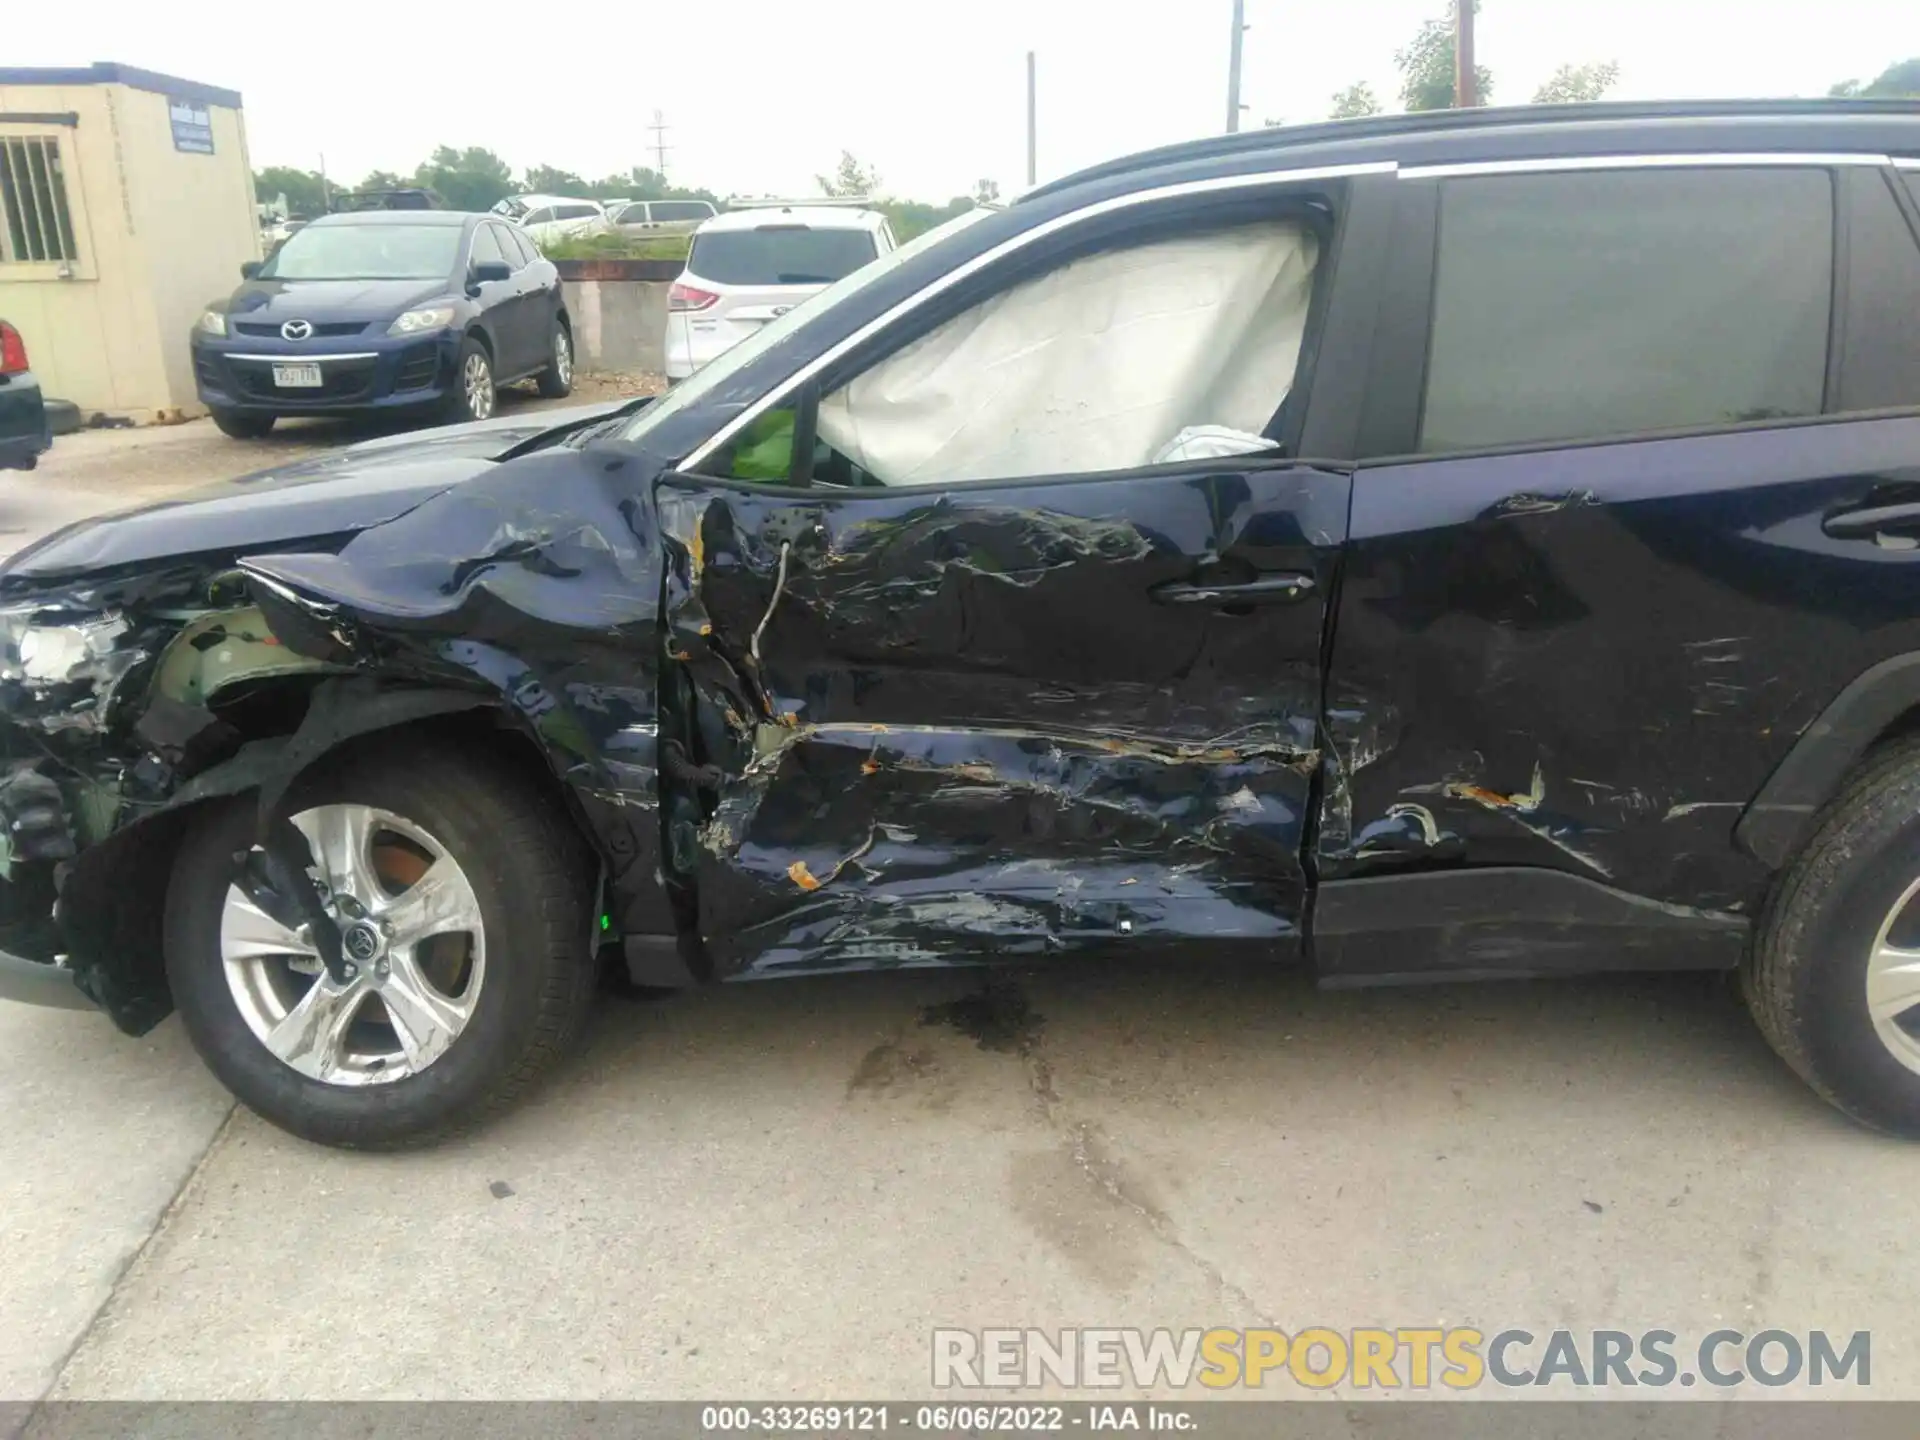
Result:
[{"x": 296, "y": 330}]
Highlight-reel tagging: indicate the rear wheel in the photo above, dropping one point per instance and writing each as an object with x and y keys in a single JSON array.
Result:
[
  {"x": 1834, "y": 977},
  {"x": 556, "y": 381},
  {"x": 462, "y": 897},
  {"x": 243, "y": 426}
]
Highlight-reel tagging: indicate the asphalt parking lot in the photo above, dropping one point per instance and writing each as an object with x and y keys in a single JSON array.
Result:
[{"x": 779, "y": 1190}]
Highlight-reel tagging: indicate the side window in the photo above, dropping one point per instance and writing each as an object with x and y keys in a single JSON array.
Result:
[
  {"x": 487, "y": 248},
  {"x": 1588, "y": 304},
  {"x": 631, "y": 215},
  {"x": 1152, "y": 353},
  {"x": 1913, "y": 184},
  {"x": 574, "y": 212},
  {"x": 538, "y": 217},
  {"x": 517, "y": 246},
  {"x": 670, "y": 211},
  {"x": 1880, "y": 364}
]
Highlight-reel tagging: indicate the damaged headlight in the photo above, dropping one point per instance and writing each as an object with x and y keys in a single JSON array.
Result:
[{"x": 52, "y": 653}]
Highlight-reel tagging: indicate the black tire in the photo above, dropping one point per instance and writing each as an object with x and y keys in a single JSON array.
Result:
[
  {"x": 1806, "y": 977},
  {"x": 556, "y": 381},
  {"x": 243, "y": 426},
  {"x": 532, "y": 875},
  {"x": 462, "y": 404}
]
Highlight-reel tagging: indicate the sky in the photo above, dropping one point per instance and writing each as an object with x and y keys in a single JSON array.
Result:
[{"x": 762, "y": 95}]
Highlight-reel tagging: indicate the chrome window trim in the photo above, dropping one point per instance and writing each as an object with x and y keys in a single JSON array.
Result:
[
  {"x": 1211, "y": 186},
  {"x": 1549, "y": 163}
]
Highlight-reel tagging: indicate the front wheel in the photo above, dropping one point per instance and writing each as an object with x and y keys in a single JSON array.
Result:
[
  {"x": 474, "y": 393},
  {"x": 242, "y": 426},
  {"x": 1834, "y": 976},
  {"x": 556, "y": 381},
  {"x": 462, "y": 897}
]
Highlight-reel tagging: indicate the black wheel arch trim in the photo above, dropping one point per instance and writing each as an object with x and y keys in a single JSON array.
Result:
[{"x": 1775, "y": 824}]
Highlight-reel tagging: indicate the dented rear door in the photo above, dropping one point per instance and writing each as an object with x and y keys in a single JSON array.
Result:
[{"x": 1022, "y": 718}]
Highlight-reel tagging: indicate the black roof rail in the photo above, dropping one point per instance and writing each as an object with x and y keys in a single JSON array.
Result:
[{"x": 1430, "y": 122}]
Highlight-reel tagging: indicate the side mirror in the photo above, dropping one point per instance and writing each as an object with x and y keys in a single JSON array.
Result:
[
  {"x": 490, "y": 270},
  {"x": 249, "y": 269}
]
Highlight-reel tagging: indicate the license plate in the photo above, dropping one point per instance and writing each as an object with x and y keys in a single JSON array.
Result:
[{"x": 291, "y": 376}]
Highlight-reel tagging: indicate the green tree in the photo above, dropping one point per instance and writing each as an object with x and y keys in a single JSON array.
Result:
[
  {"x": 470, "y": 179},
  {"x": 1356, "y": 100},
  {"x": 547, "y": 180},
  {"x": 1427, "y": 71},
  {"x": 381, "y": 180},
  {"x": 1895, "y": 81},
  {"x": 304, "y": 189},
  {"x": 850, "y": 179},
  {"x": 1578, "y": 83}
]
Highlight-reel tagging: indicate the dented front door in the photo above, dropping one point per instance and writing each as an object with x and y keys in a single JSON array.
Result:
[{"x": 997, "y": 720}]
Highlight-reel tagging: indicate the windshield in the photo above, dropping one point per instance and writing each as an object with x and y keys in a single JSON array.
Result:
[
  {"x": 366, "y": 252},
  {"x": 771, "y": 334},
  {"x": 779, "y": 255}
]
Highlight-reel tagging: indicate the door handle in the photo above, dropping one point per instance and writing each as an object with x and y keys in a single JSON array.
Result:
[
  {"x": 1874, "y": 520},
  {"x": 1276, "y": 589}
]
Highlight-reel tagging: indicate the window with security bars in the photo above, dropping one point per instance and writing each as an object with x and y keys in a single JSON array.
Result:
[{"x": 33, "y": 201}]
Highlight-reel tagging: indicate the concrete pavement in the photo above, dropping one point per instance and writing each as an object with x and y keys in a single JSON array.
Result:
[{"x": 779, "y": 1190}]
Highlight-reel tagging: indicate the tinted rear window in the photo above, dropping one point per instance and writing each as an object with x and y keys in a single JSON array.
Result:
[{"x": 780, "y": 255}]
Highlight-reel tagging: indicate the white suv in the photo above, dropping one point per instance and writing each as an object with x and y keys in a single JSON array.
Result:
[{"x": 752, "y": 265}]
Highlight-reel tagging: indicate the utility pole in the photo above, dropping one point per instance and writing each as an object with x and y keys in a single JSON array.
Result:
[
  {"x": 660, "y": 146},
  {"x": 326, "y": 195},
  {"x": 1465, "y": 77},
  {"x": 1033, "y": 121},
  {"x": 1234, "y": 107}
]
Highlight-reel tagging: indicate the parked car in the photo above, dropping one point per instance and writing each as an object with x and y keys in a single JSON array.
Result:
[
  {"x": 1430, "y": 546},
  {"x": 547, "y": 218},
  {"x": 24, "y": 433},
  {"x": 659, "y": 217},
  {"x": 753, "y": 265},
  {"x": 422, "y": 311},
  {"x": 406, "y": 197}
]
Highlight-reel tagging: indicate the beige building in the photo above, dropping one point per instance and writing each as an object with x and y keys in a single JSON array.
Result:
[{"x": 126, "y": 205}]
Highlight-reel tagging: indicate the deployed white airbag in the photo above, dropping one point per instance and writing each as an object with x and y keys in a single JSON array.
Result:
[{"x": 1099, "y": 365}]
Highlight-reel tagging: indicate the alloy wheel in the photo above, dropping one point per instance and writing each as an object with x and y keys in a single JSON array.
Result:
[
  {"x": 1893, "y": 980},
  {"x": 413, "y": 942},
  {"x": 477, "y": 379}
]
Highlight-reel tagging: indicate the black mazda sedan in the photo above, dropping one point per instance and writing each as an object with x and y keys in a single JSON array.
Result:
[{"x": 425, "y": 312}]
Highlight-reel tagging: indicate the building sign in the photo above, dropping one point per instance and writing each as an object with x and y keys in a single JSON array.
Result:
[{"x": 192, "y": 126}]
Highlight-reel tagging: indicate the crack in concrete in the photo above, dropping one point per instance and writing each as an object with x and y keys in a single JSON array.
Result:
[{"x": 1085, "y": 1146}]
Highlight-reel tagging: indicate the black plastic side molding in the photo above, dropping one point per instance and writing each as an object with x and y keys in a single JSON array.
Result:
[{"x": 1506, "y": 922}]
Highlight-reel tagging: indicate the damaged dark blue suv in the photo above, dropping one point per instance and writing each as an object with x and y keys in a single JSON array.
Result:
[{"x": 1459, "y": 545}]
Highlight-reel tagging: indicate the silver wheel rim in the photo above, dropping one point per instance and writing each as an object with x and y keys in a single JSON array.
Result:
[
  {"x": 415, "y": 947},
  {"x": 478, "y": 379},
  {"x": 1893, "y": 987},
  {"x": 563, "y": 357}
]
